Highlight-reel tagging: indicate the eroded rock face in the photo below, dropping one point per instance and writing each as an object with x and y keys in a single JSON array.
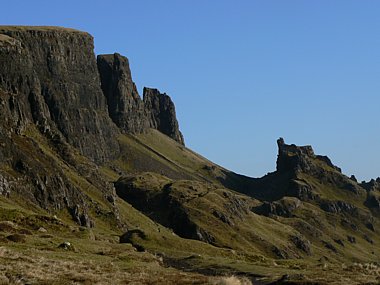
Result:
[
  {"x": 124, "y": 103},
  {"x": 162, "y": 114},
  {"x": 292, "y": 157},
  {"x": 300, "y": 158},
  {"x": 51, "y": 106},
  {"x": 49, "y": 76},
  {"x": 127, "y": 110},
  {"x": 372, "y": 185}
]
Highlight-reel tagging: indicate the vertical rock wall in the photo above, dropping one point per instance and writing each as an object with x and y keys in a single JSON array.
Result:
[
  {"x": 127, "y": 110},
  {"x": 50, "y": 77}
]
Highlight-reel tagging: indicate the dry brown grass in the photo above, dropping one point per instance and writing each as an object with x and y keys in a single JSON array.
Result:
[{"x": 20, "y": 268}]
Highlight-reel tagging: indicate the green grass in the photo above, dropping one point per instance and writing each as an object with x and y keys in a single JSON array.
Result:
[{"x": 245, "y": 246}]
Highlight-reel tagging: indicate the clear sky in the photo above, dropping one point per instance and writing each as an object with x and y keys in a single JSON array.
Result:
[{"x": 244, "y": 72}]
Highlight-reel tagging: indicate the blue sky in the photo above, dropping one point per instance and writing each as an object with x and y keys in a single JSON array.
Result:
[{"x": 243, "y": 73}]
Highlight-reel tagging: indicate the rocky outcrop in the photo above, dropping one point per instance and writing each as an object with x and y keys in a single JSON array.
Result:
[
  {"x": 284, "y": 207},
  {"x": 49, "y": 77},
  {"x": 152, "y": 194},
  {"x": 301, "y": 173},
  {"x": 124, "y": 103},
  {"x": 372, "y": 185},
  {"x": 127, "y": 110},
  {"x": 162, "y": 114},
  {"x": 292, "y": 157}
]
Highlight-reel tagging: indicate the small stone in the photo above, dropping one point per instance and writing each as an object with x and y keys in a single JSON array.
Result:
[
  {"x": 66, "y": 245},
  {"x": 42, "y": 230}
]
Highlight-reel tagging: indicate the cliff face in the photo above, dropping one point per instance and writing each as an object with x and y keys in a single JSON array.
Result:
[
  {"x": 124, "y": 103},
  {"x": 52, "y": 106},
  {"x": 49, "y": 77},
  {"x": 162, "y": 116},
  {"x": 127, "y": 110}
]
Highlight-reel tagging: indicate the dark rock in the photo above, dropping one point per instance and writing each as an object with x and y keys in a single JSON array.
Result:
[
  {"x": 66, "y": 246},
  {"x": 372, "y": 185},
  {"x": 368, "y": 239},
  {"x": 339, "y": 241},
  {"x": 80, "y": 215},
  {"x": 337, "y": 206},
  {"x": 301, "y": 244},
  {"x": 353, "y": 178},
  {"x": 373, "y": 200},
  {"x": 19, "y": 238},
  {"x": 370, "y": 226},
  {"x": 302, "y": 190},
  {"x": 162, "y": 114},
  {"x": 51, "y": 79},
  {"x": 131, "y": 236},
  {"x": 292, "y": 157},
  {"x": 284, "y": 207},
  {"x": 280, "y": 253},
  {"x": 329, "y": 246},
  {"x": 222, "y": 217},
  {"x": 124, "y": 103},
  {"x": 127, "y": 236},
  {"x": 204, "y": 236},
  {"x": 351, "y": 239},
  {"x": 127, "y": 110}
]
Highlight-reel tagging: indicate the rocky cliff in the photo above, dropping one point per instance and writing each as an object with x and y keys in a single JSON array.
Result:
[
  {"x": 297, "y": 168},
  {"x": 53, "y": 109},
  {"x": 161, "y": 114},
  {"x": 127, "y": 110},
  {"x": 124, "y": 103},
  {"x": 49, "y": 77}
]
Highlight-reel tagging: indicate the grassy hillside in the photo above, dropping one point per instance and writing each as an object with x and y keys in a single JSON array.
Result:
[{"x": 177, "y": 222}]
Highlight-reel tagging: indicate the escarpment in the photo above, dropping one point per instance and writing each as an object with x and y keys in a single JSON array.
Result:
[
  {"x": 50, "y": 78},
  {"x": 52, "y": 108}
]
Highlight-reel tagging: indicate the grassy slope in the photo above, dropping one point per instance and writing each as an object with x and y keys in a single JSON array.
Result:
[
  {"x": 260, "y": 228},
  {"x": 93, "y": 248}
]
